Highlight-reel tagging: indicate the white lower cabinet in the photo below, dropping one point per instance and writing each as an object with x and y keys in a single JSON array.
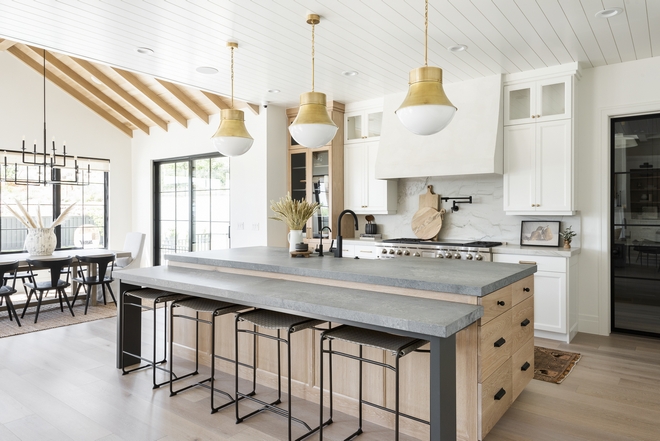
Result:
[
  {"x": 363, "y": 193},
  {"x": 555, "y": 297}
]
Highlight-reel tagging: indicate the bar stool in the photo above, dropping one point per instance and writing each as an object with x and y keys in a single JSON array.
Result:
[
  {"x": 398, "y": 345},
  {"x": 281, "y": 322},
  {"x": 157, "y": 296},
  {"x": 197, "y": 305}
]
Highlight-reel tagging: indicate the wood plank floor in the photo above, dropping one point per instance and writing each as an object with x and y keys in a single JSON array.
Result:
[{"x": 61, "y": 384}]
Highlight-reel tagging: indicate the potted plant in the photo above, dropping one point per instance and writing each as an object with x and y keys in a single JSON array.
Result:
[
  {"x": 568, "y": 234},
  {"x": 295, "y": 213}
]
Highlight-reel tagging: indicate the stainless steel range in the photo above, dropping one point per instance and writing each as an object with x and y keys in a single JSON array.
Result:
[{"x": 446, "y": 249}]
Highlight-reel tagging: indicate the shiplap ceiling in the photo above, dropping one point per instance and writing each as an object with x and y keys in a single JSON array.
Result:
[{"x": 381, "y": 39}]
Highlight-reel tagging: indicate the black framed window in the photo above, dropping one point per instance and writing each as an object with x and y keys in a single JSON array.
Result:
[{"x": 191, "y": 205}]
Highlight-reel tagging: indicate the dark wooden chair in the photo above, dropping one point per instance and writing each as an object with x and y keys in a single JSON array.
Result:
[
  {"x": 104, "y": 267},
  {"x": 6, "y": 291},
  {"x": 55, "y": 267}
]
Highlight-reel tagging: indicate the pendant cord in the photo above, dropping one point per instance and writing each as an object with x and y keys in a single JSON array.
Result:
[
  {"x": 313, "y": 57},
  {"x": 232, "y": 77},
  {"x": 426, "y": 34},
  {"x": 44, "y": 108}
]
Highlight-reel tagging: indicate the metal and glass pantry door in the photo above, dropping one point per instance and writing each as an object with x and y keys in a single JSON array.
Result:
[{"x": 191, "y": 205}]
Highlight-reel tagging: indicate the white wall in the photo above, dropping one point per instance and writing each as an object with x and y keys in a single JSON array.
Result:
[
  {"x": 604, "y": 92},
  {"x": 85, "y": 133}
]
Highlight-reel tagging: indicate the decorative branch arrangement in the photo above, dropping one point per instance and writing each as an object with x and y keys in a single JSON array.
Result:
[
  {"x": 24, "y": 217},
  {"x": 292, "y": 211}
]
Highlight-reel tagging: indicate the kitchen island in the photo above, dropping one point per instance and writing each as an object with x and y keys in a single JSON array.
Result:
[{"x": 458, "y": 307}]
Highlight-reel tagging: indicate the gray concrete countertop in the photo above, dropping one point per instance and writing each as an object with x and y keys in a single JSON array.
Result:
[
  {"x": 441, "y": 275},
  {"x": 536, "y": 251},
  {"x": 381, "y": 310}
]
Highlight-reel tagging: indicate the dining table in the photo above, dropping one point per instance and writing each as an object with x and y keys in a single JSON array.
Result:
[{"x": 75, "y": 264}]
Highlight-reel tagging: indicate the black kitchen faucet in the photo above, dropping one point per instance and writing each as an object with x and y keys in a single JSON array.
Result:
[{"x": 339, "y": 244}]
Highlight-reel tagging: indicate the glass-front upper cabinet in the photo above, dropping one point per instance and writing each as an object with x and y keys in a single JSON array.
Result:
[
  {"x": 321, "y": 193},
  {"x": 537, "y": 101},
  {"x": 362, "y": 126}
]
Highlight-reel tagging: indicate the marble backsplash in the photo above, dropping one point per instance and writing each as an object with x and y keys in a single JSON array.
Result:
[{"x": 484, "y": 219}]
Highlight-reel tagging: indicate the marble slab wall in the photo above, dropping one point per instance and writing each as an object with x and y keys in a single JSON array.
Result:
[{"x": 484, "y": 219}]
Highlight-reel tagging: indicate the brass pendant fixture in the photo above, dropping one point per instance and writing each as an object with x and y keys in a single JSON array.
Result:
[
  {"x": 313, "y": 127},
  {"x": 426, "y": 109},
  {"x": 232, "y": 138}
]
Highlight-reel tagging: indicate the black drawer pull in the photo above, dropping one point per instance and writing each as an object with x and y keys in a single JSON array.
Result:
[
  {"x": 524, "y": 323},
  {"x": 501, "y": 302},
  {"x": 526, "y": 289},
  {"x": 500, "y": 342},
  {"x": 498, "y": 396},
  {"x": 525, "y": 366}
]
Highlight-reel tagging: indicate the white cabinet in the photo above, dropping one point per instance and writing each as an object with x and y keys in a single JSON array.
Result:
[
  {"x": 555, "y": 297},
  {"x": 363, "y": 193},
  {"x": 538, "y": 168},
  {"x": 536, "y": 101},
  {"x": 364, "y": 125}
]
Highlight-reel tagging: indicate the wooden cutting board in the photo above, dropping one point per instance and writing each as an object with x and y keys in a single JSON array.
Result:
[
  {"x": 429, "y": 199},
  {"x": 427, "y": 222}
]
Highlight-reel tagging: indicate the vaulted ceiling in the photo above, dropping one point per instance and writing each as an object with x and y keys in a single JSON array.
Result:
[{"x": 380, "y": 39}]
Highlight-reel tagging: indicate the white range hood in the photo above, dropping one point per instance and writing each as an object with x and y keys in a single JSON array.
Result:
[{"x": 470, "y": 145}]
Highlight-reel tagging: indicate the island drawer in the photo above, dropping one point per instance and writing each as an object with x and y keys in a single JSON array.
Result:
[
  {"x": 495, "y": 397},
  {"x": 522, "y": 289},
  {"x": 522, "y": 323},
  {"x": 494, "y": 344},
  {"x": 522, "y": 367},
  {"x": 495, "y": 304}
]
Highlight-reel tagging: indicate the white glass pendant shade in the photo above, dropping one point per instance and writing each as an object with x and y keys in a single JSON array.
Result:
[
  {"x": 313, "y": 127},
  {"x": 232, "y": 138},
  {"x": 426, "y": 109}
]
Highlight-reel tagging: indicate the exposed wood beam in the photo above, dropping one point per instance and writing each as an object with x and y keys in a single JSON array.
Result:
[
  {"x": 216, "y": 99},
  {"x": 130, "y": 99},
  {"x": 153, "y": 96},
  {"x": 89, "y": 87},
  {"x": 14, "y": 50},
  {"x": 6, "y": 44},
  {"x": 185, "y": 99},
  {"x": 253, "y": 107}
]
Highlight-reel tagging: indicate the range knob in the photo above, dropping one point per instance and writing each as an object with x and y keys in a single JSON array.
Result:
[
  {"x": 399, "y": 252},
  {"x": 392, "y": 251},
  {"x": 448, "y": 255},
  {"x": 468, "y": 256},
  {"x": 478, "y": 257},
  {"x": 416, "y": 254},
  {"x": 383, "y": 251},
  {"x": 440, "y": 256},
  {"x": 406, "y": 253},
  {"x": 457, "y": 255}
]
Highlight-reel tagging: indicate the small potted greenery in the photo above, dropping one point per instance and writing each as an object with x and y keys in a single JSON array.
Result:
[{"x": 568, "y": 234}]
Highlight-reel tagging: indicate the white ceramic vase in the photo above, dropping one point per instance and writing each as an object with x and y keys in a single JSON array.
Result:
[
  {"x": 40, "y": 241},
  {"x": 294, "y": 237}
]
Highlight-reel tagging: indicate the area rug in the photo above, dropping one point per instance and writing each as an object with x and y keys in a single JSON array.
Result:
[
  {"x": 552, "y": 365},
  {"x": 50, "y": 317}
]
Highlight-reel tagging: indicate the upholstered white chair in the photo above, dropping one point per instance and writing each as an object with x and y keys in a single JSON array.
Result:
[{"x": 134, "y": 243}]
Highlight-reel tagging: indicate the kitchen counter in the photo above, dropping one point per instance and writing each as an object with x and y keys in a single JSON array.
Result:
[
  {"x": 536, "y": 251},
  {"x": 439, "y": 275}
]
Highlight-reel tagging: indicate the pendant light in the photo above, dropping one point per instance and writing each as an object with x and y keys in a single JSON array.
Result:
[
  {"x": 426, "y": 109},
  {"x": 313, "y": 127},
  {"x": 232, "y": 138}
]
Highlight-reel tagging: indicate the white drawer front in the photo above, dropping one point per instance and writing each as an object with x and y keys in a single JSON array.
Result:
[{"x": 544, "y": 263}]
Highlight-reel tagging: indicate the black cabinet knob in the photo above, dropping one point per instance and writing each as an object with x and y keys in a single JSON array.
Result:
[
  {"x": 501, "y": 302},
  {"x": 525, "y": 366},
  {"x": 526, "y": 289},
  {"x": 524, "y": 323},
  {"x": 499, "y": 342},
  {"x": 498, "y": 396}
]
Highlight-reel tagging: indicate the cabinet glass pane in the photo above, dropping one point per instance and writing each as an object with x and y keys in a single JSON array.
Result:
[
  {"x": 553, "y": 100},
  {"x": 519, "y": 104},
  {"x": 353, "y": 127},
  {"x": 298, "y": 176},
  {"x": 375, "y": 123},
  {"x": 321, "y": 192}
]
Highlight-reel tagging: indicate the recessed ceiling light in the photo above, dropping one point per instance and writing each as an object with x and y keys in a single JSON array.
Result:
[
  {"x": 350, "y": 73},
  {"x": 208, "y": 70},
  {"x": 457, "y": 48},
  {"x": 96, "y": 80},
  {"x": 145, "y": 50},
  {"x": 609, "y": 12},
  {"x": 273, "y": 90}
]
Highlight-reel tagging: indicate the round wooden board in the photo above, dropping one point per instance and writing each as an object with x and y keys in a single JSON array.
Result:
[{"x": 427, "y": 222}]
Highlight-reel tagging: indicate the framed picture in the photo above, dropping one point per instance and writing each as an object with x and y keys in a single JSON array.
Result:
[{"x": 539, "y": 233}]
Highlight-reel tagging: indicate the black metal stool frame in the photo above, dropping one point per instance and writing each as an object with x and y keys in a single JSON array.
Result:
[
  {"x": 361, "y": 401},
  {"x": 272, "y": 407},
  {"x": 217, "y": 313},
  {"x": 150, "y": 363}
]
